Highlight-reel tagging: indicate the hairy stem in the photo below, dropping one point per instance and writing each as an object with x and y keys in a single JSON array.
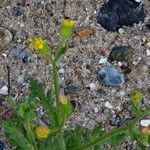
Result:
[
  {"x": 30, "y": 135},
  {"x": 107, "y": 135},
  {"x": 56, "y": 92}
]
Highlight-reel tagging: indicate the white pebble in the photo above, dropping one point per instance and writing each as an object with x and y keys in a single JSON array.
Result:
[
  {"x": 119, "y": 63},
  {"x": 4, "y": 55},
  {"x": 22, "y": 25},
  {"x": 121, "y": 31},
  {"x": 61, "y": 71},
  {"x": 138, "y": 1},
  {"x": 108, "y": 105},
  {"x": 92, "y": 86},
  {"x": 96, "y": 110},
  {"x": 148, "y": 44},
  {"x": 148, "y": 52},
  {"x": 145, "y": 122},
  {"x": 4, "y": 90},
  {"x": 103, "y": 60}
]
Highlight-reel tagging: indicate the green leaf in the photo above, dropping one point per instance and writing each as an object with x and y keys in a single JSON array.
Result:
[
  {"x": 137, "y": 136},
  {"x": 96, "y": 132},
  {"x": 136, "y": 96},
  {"x": 61, "y": 52},
  {"x": 73, "y": 137},
  {"x": 116, "y": 140},
  {"x": 15, "y": 136},
  {"x": 11, "y": 102},
  {"x": 37, "y": 90}
]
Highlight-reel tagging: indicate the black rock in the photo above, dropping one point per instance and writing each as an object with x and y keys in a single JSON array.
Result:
[
  {"x": 17, "y": 11},
  {"x": 1, "y": 145},
  {"x": 116, "y": 13},
  {"x": 122, "y": 53}
]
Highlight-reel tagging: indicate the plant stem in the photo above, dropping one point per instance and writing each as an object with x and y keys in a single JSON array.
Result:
[
  {"x": 30, "y": 135},
  {"x": 56, "y": 92},
  {"x": 107, "y": 135},
  {"x": 56, "y": 84},
  {"x": 61, "y": 141}
]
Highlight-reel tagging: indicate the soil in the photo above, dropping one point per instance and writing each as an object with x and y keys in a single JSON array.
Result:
[{"x": 79, "y": 67}]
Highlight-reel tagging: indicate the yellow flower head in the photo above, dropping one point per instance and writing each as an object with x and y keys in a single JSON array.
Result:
[
  {"x": 42, "y": 131},
  {"x": 136, "y": 95},
  {"x": 69, "y": 23},
  {"x": 64, "y": 99},
  {"x": 36, "y": 43}
]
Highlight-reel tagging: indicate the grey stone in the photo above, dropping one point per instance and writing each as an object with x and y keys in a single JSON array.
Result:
[{"x": 122, "y": 53}]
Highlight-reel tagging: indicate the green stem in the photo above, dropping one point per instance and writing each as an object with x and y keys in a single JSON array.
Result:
[
  {"x": 136, "y": 108},
  {"x": 56, "y": 92},
  {"x": 56, "y": 85},
  {"x": 61, "y": 141},
  {"x": 107, "y": 135},
  {"x": 30, "y": 135}
]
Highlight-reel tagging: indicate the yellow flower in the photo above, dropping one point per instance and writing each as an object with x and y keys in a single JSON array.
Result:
[
  {"x": 67, "y": 27},
  {"x": 64, "y": 99},
  {"x": 42, "y": 131},
  {"x": 36, "y": 43},
  {"x": 69, "y": 23},
  {"x": 136, "y": 96}
]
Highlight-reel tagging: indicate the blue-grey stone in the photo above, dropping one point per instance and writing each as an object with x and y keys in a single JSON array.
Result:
[
  {"x": 111, "y": 76},
  {"x": 117, "y": 13},
  {"x": 1, "y": 145},
  {"x": 19, "y": 53}
]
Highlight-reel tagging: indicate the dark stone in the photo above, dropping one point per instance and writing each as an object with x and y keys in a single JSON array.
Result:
[
  {"x": 117, "y": 13},
  {"x": 70, "y": 90},
  {"x": 118, "y": 121},
  {"x": 1, "y": 145},
  {"x": 17, "y": 11},
  {"x": 122, "y": 53},
  {"x": 73, "y": 103}
]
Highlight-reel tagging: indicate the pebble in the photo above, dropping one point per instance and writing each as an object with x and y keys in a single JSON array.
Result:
[
  {"x": 21, "y": 79},
  {"x": 1, "y": 145},
  {"x": 92, "y": 86},
  {"x": 85, "y": 31},
  {"x": 108, "y": 105},
  {"x": 145, "y": 122},
  {"x": 121, "y": 31},
  {"x": 61, "y": 71},
  {"x": 96, "y": 110},
  {"x": 117, "y": 120},
  {"x": 122, "y": 53},
  {"x": 148, "y": 52},
  {"x": 4, "y": 90},
  {"x": 111, "y": 76},
  {"x": 16, "y": 11},
  {"x": 148, "y": 44},
  {"x": 20, "y": 54},
  {"x": 5, "y": 38},
  {"x": 115, "y": 14},
  {"x": 70, "y": 90},
  {"x": 21, "y": 2},
  {"x": 102, "y": 60}
]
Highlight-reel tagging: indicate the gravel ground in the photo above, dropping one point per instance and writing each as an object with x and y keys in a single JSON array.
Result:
[{"x": 79, "y": 67}]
